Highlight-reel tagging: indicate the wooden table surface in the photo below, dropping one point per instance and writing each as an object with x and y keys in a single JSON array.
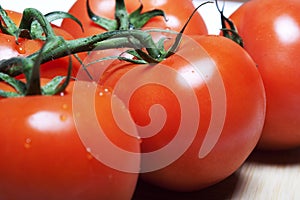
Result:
[{"x": 265, "y": 175}]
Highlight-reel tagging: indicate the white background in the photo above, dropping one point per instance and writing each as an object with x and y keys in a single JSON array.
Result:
[{"x": 208, "y": 12}]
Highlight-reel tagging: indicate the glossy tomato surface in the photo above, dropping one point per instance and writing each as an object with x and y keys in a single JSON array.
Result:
[
  {"x": 43, "y": 156},
  {"x": 199, "y": 112},
  {"x": 272, "y": 39},
  {"x": 177, "y": 13},
  {"x": 24, "y": 47}
]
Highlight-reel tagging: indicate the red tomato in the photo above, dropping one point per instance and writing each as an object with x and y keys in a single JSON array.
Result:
[
  {"x": 272, "y": 39},
  {"x": 25, "y": 47},
  {"x": 43, "y": 156},
  {"x": 177, "y": 13},
  {"x": 213, "y": 111}
]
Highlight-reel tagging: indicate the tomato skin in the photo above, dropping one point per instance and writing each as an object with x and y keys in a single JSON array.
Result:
[
  {"x": 177, "y": 13},
  {"x": 245, "y": 111},
  {"x": 44, "y": 158},
  {"x": 25, "y": 47},
  {"x": 272, "y": 39}
]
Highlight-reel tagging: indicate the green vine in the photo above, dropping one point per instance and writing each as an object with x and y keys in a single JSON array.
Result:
[{"x": 140, "y": 42}]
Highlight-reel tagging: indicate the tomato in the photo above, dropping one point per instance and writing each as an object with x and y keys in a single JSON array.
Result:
[
  {"x": 199, "y": 112},
  {"x": 272, "y": 39},
  {"x": 43, "y": 156},
  {"x": 25, "y": 47},
  {"x": 177, "y": 13}
]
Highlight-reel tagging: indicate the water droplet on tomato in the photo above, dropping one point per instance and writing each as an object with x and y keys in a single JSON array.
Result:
[
  {"x": 139, "y": 139},
  {"x": 65, "y": 106},
  {"x": 27, "y": 143},
  {"x": 89, "y": 154},
  {"x": 20, "y": 48},
  {"x": 167, "y": 32},
  {"x": 104, "y": 91},
  {"x": 62, "y": 94},
  {"x": 63, "y": 117}
]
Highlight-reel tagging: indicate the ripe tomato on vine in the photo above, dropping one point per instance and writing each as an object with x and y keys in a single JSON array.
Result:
[
  {"x": 272, "y": 39},
  {"x": 194, "y": 110}
]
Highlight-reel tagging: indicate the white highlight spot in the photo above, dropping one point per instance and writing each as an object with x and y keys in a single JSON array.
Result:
[
  {"x": 46, "y": 121},
  {"x": 287, "y": 29}
]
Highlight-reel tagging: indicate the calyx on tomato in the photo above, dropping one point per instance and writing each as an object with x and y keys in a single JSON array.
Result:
[
  {"x": 34, "y": 25},
  {"x": 155, "y": 51},
  {"x": 124, "y": 20},
  {"x": 32, "y": 84},
  {"x": 57, "y": 47},
  {"x": 31, "y": 67}
]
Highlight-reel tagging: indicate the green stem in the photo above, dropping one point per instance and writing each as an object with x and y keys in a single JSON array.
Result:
[
  {"x": 231, "y": 31},
  {"x": 7, "y": 26},
  {"x": 101, "y": 41},
  {"x": 30, "y": 15},
  {"x": 121, "y": 15}
]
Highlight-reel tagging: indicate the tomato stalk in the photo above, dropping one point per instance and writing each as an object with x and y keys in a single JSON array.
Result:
[
  {"x": 7, "y": 26},
  {"x": 30, "y": 15},
  {"x": 124, "y": 20},
  {"x": 137, "y": 39},
  {"x": 31, "y": 70},
  {"x": 230, "y": 32},
  {"x": 33, "y": 25},
  {"x": 56, "y": 47},
  {"x": 31, "y": 19}
]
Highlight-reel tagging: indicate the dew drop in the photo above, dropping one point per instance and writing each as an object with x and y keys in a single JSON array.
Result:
[
  {"x": 65, "y": 106},
  {"x": 89, "y": 154},
  {"x": 104, "y": 91},
  {"x": 139, "y": 139},
  {"x": 167, "y": 32},
  {"x": 27, "y": 143},
  {"x": 20, "y": 48},
  {"x": 63, "y": 117}
]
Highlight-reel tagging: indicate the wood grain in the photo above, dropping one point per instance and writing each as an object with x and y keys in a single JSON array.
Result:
[{"x": 265, "y": 175}]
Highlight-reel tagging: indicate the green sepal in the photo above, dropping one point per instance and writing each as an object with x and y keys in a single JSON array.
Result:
[
  {"x": 56, "y": 15},
  {"x": 33, "y": 20},
  {"x": 123, "y": 20},
  {"x": 7, "y": 26},
  {"x": 138, "y": 19},
  {"x": 7, "y": 94},
  {"x": 107, "y": 24},
  {"x": 19, "y": 86},
  {"x": 53, "y": 86}
]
